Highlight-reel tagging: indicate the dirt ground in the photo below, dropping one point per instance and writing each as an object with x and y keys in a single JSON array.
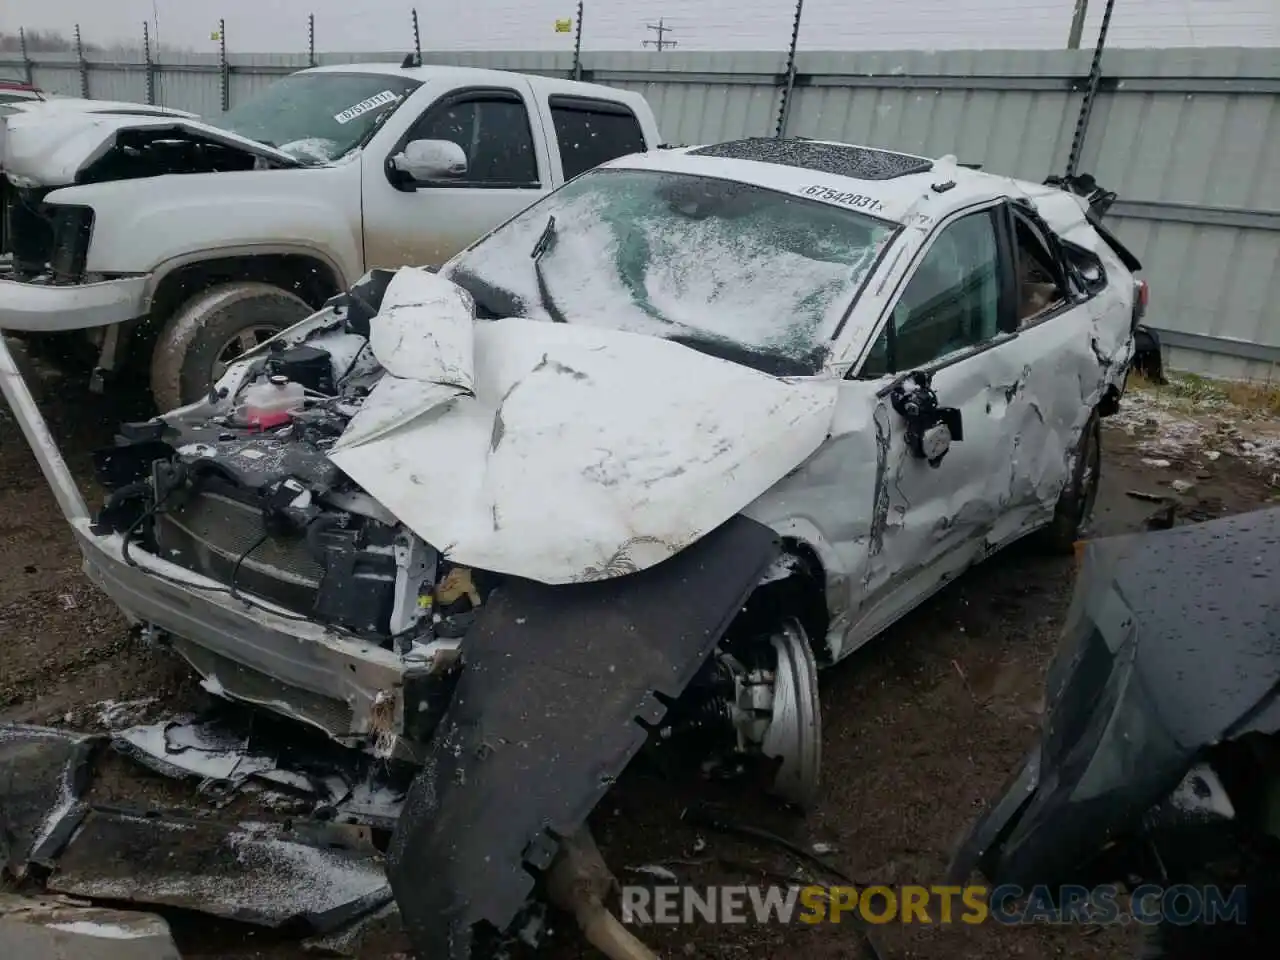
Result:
[{"x": 920, "y": 728}]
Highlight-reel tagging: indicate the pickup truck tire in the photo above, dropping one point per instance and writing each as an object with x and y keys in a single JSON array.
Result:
[{"x": 210, "y": 330}]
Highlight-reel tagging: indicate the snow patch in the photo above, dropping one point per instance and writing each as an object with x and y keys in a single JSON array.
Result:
[
  {"x": 111, "y": 931},
  {"x": 1205, "y": 429}
]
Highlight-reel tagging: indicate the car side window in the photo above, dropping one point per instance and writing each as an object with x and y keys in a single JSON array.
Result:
[
  {"x": 952, "y": 300},
  {"x": 493, "y": 130},
  {"x": 592, "y": 132},
  {"x": 1041, "y": 286}
]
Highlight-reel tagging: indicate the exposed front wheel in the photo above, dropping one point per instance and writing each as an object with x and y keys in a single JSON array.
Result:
[
  {"x": 210, "y": 331},
  {"x": 794, "y": 734}
]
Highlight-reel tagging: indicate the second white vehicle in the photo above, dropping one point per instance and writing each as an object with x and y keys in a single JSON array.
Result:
[{"x": 184, "y": 242}]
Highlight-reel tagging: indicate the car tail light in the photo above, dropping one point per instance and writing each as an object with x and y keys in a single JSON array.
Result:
[{"x": 1141, "y": 294}]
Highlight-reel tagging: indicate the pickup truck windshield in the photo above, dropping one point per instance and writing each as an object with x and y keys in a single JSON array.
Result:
[
  {"x": 319, "y": 117},
  {"x": 757, "y": 276}
]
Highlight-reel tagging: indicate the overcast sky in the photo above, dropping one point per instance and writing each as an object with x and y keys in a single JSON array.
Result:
[{"x": 384, "y": 25}]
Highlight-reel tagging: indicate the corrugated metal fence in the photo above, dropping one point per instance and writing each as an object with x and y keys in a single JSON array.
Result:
[{"x": 1189, "y": 138}]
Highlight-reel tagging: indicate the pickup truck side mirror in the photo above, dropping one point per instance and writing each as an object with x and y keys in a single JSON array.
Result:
[{"x": 426, "y": 161}]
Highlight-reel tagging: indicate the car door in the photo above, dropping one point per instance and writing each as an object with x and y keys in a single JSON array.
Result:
[
  {"x": 425, "y": 223},
  {"x": 953, "y": 322},
  {"x": 1063, "y": 364}
]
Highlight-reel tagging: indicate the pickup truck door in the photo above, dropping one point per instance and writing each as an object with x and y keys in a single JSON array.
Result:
[{"x": 509, "y": 167}]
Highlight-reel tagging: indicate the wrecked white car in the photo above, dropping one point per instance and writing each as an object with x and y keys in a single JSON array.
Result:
[{"x": 639, "y": 460}]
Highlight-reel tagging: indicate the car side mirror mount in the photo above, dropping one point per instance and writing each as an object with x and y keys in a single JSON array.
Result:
[
  {"x": 427, "y": 162},
  {"x": 931, "y": 429}
]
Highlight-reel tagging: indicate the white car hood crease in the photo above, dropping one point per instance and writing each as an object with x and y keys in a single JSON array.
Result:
[
  {"x": 49, "y": 148},
  {"x": 564, "y": 453}
]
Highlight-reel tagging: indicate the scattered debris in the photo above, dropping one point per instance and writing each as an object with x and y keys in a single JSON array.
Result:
[
  {"x": 1164, "y": 518},
  {"x": 321, "y": 876},
  {"x": 579, "y": 882},
  {"x": 43, "y": 774},
  {"x": 1153, "y": 462},
  {"x": 61, "y": 929},
  {"x": 224, "y": 761},
  {"x": 822, "y": 849},
  {"x": 115, "y": 714},
  {"x": 1181, "y": 486},
  {"x": 1143, "y": 495},
  {"x": 1197, "y": 420},
  {"x": 349, "y": 941}
]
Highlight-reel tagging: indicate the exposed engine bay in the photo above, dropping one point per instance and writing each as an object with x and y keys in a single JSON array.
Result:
[
  {"x": 249, "y": 498},
  {"x": 48, "y": 242},
  {"x": 240, "y": 489}
]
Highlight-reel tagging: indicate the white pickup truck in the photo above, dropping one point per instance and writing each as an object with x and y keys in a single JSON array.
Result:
[{"x": 181, "y": 243}]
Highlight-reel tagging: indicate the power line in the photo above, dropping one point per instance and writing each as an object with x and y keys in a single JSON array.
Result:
[{"x": 661, "y": 29}]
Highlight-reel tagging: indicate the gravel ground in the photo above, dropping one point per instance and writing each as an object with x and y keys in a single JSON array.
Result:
[{"x": 920, "y": 727}]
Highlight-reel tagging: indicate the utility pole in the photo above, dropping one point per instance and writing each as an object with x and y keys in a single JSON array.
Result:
[
  {"x": 1077, "y": 25},
  {"x": 661, "y": 29}
]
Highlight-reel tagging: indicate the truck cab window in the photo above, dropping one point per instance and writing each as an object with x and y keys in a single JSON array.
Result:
[
  {"x": 592, "y": 132},
  {"x": 493, "y": 131}
]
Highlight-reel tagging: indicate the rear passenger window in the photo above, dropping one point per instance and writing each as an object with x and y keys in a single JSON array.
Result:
[{"x": 592, "y": 132}]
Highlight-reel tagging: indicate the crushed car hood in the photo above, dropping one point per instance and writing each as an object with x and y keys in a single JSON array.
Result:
[
  {"x": 48, "y": 148},
  {"x": 564, "y": 453}
]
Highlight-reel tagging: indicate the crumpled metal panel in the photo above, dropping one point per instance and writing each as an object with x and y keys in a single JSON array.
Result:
[
  {"x": 253, "y": 873},
  {"x": 43, "y": 774},
  {"x": 557, "y": 683}
]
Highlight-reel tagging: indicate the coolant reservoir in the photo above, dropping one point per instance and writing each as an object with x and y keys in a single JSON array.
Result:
[{"x": 271, "y": 404}]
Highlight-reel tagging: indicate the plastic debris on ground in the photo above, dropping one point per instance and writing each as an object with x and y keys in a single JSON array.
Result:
[
  {"x": 259, "y": 873},
  {"x": 43, "y": 775},
  {"x": 226, "y": 760},
  {"x": 319, "y": 875},
  {"x": 49, "y": 927}
]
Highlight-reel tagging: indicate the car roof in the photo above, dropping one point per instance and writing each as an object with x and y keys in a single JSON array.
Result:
[
  {"x": 473, "y": 75},
  {"x": 887, "y": 184}
]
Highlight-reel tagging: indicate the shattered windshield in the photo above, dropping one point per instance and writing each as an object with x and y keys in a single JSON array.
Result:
[
  {"x": 319, "y": 117},
  {"x": 755, "y": 275}
]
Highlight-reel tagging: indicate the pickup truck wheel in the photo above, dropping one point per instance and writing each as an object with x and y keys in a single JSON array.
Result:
[
  {"x": 1075, "y": 504},
  {"x": 211, "y": 330}
]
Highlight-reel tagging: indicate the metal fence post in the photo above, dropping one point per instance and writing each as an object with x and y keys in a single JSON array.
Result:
[
  {"x": 577, "y": 45},
  {"x": 84, "y": 66},
  {"x": 28, "y": 68},
  {"x": 789, "y": 81},
  {"x": 150, "y": 65},
  {"x": 224, "y": 71},
  {"x": 1090, "y": 92},
  {"x": 311, "y": 39}
]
